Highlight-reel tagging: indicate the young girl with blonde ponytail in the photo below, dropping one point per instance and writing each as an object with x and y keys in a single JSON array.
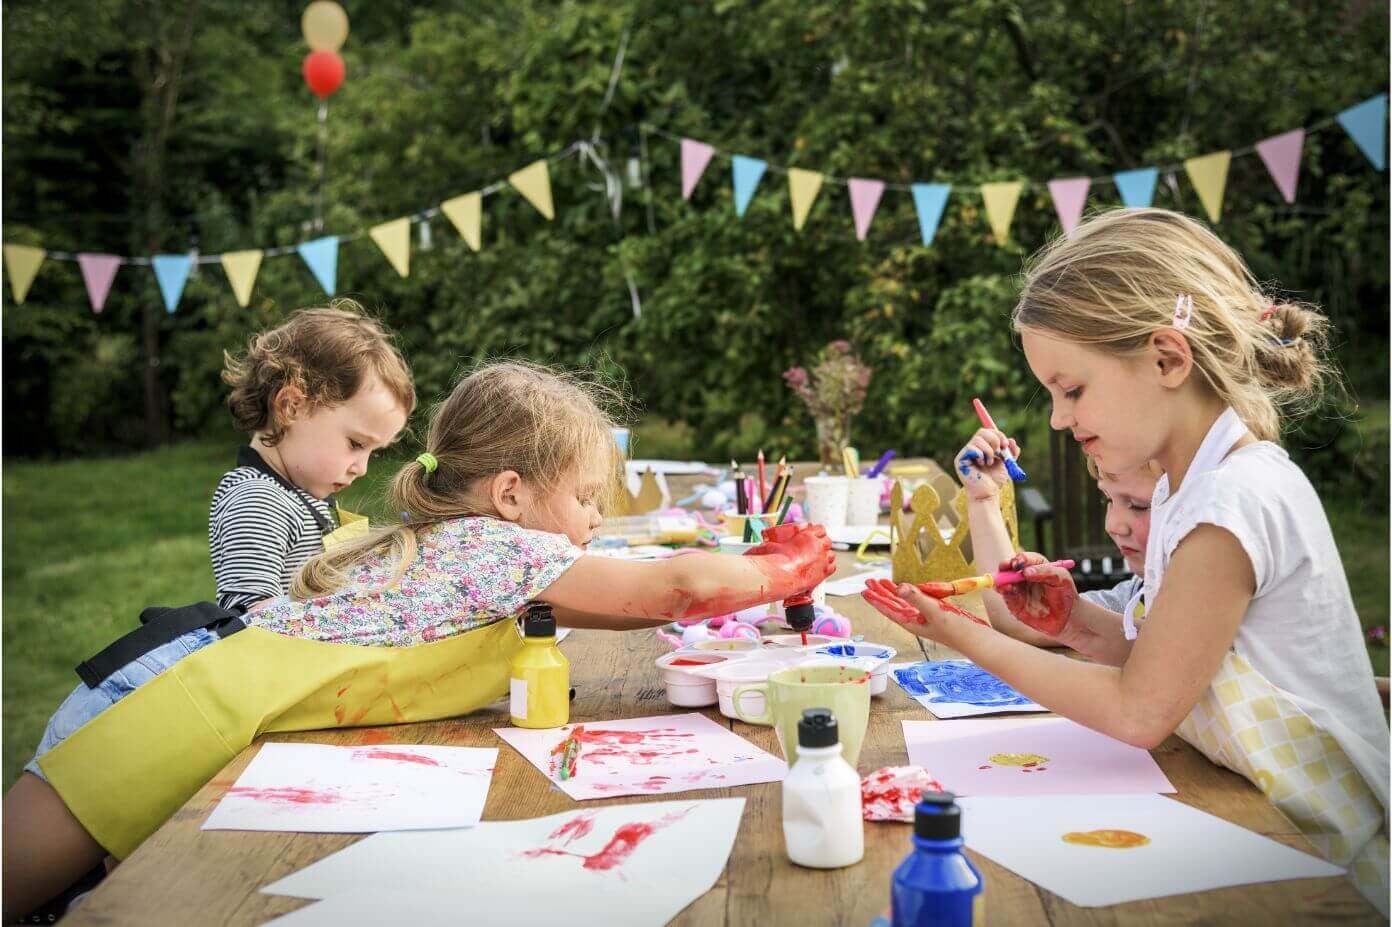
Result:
[
  {"x": 410, "y": 623},
  {"x": 1155, "y": 343}
]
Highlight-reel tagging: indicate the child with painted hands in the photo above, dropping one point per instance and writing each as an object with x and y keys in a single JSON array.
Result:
[{"x": 1156, "y": 343}]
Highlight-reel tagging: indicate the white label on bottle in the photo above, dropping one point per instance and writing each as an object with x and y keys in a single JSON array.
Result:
[{"x": 518, "y": 698}]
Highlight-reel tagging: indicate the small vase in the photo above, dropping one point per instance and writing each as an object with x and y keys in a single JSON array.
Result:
[{"x": 831, "y": 441}]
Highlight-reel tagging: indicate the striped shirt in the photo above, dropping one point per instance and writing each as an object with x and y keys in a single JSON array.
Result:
[{"x": 261, "y": 530}]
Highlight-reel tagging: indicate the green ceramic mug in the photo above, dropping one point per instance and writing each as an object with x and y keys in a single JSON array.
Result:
[{"x": 843, "y": 689}]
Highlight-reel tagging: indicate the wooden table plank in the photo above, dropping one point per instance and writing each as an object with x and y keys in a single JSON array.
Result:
[{"x": 182, "y": 875}]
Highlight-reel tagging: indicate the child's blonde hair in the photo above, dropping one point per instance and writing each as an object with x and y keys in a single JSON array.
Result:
[
  {"x": 503, "y": 416},
  {"x": 324, "y": 353},
  {"x": 1114, "y": 282}
]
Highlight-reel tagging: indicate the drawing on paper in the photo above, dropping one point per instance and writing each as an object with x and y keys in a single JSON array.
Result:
[
  {"x": 626, "y": 839},
  {"x": 1106, "y": 838},
  {"x": 1027, "y": 762},
  {"x": 953, "y": 681}
]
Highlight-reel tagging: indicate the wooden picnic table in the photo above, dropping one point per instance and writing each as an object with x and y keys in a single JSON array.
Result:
[{"x": 183, "y": 875}]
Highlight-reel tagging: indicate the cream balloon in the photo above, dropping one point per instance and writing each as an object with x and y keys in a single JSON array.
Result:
[{"x": 325, "y": 25}]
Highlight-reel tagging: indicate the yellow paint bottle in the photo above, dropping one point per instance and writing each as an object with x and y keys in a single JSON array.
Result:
[{"x": 540, "y": 674}]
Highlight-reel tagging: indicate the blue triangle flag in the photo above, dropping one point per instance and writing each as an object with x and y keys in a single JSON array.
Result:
[
  {"x": 321, "y": 255},
  {"x": 929, "y": 199},
  {"x": 172, "y": 272},
  {"x": 747, "y": 174},
  {"x": 1366, "y": 123},
  {"x": 1137, "y": 188}
]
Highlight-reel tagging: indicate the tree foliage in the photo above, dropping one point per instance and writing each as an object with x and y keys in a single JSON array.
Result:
[{"x": 446, "y": 98}]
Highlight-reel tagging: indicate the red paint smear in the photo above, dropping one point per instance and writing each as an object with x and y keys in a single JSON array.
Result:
[
  {"x": 340, "y": 692},
  {"x": 690, "y": 662},
  {"x": 983, "y": 767},
  {"x": 804, "y": 638},
  {"x": 960, "y": 612},
  {"x": 290, "y": 796},
  {"x": 577, "y": 827},
  {"x": 338, "y": 713},
  {"x": 620, "y": 847},
  {"x": 396, "y": 712},
  {"x": 373, "y": 736},
  {"x": 395, "y": 755}
]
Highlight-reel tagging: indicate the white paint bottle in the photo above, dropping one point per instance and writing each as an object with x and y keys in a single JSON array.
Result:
[{"x": 822, "y": 824}]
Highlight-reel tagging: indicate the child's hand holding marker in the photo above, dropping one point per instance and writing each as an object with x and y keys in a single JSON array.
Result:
[{"x": 980, "y": 464}]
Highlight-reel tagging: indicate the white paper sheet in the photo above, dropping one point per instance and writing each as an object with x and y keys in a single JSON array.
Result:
[
  {"x": 591, "y": 866},
  {"x": 959, "y": 689},
  {"x": 316, "y": 788},
  {"x": 1187, "y": 850},
  {"x": 644, "y": 756},
  {"x": 1033, "y": 756},
  {"x": 854, "y": 585}
]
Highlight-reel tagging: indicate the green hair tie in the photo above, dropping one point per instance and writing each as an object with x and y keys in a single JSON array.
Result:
[{"x": 428, "y": 461}]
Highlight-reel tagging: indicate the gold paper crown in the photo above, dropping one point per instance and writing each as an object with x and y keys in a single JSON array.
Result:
[
  {"x": 648, "y": 499},
  {"x": 918, "y": 553}
]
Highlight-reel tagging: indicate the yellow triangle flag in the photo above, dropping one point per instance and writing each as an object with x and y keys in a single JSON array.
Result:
[
  {"x": 241, "y": 268},
  {"x": 1209, "y": 175},
  {"x": 1000, "y": 199},
  {"x": 394, "y": 238},
  {"x": 23, "y": 262},
  {"x": 466, "y": 212},
  {"x": 534, "y": 182},
  {"x": 802, "y": 190}
]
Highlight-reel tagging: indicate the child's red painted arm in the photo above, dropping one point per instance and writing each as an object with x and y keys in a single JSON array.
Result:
[{"x": 792, "y": 559}]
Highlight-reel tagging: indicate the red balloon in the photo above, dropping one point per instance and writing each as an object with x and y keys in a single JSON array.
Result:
[{"x": 323, "y": 72}]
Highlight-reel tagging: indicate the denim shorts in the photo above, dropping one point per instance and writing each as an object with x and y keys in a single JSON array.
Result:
[{"x": 84, "y": 704}]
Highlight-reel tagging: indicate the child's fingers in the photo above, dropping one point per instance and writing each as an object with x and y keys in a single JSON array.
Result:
[
  {"x": 894, "y": 609},
  {"x": 1021, "y": 561},
  {"x": 1047, "y": 575}
]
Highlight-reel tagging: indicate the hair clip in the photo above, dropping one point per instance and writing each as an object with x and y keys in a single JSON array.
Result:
[{"x": 1183, "y": 311}]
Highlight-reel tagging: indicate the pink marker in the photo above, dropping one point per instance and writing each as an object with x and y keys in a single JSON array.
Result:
[{"x": 984, "y": 581}]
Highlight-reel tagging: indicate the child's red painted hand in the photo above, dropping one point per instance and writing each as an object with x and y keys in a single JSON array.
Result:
[
  {"x": 980, "y": 466},
  {"x": 800, "y": 556},
  {"x": 919, "y": 614},
  {"x": 1046, "y": 598}
]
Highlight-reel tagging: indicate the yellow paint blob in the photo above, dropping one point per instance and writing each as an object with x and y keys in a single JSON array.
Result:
[
  {"x": 1107, "y": 839},
  {"x": 1018, "y": 759}
]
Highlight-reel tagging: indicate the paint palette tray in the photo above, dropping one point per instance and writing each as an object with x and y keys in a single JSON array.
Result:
[{"x": 697, "y": 675}]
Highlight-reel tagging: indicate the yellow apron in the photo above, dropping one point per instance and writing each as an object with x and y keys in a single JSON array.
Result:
[
  {"x": 1249, "y": 725},
  {"x": 126, "y": 772},
  {"x": 351, "y": 527}
]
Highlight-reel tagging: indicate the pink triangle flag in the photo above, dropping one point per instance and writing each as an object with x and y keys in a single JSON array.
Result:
[
  {"x": 865, "y": 199},
  {"x": 1281, "y": 155},
  {"x": 1070, "y": 195},
  {"x": 694, "y": 158},
  {"x": 98, "y": 270}
]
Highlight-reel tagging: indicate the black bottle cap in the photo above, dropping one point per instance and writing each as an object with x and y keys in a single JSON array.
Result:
[
  {"x": 937, "y": 817},
  {"x": 817, "y": 728},
  {"x": 799, "y": 612},
  {"x": 539, "y": 622}
]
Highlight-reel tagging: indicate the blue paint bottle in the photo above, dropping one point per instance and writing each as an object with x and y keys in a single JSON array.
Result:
[{"x": 936, "y": 884}]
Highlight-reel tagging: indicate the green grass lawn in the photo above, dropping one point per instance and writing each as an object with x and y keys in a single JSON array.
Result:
[{"x": 89, "y": 543}]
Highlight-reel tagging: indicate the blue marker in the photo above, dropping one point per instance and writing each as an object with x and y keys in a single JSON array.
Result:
[{"x": 1011, "y": 466}]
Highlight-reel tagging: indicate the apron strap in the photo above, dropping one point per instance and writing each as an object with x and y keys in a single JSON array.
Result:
[{"x": 158, "y": 626}]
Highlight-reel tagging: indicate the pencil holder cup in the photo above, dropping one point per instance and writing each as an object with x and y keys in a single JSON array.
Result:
[
  {"x": 734, "y": 525},
  {"x": 828, "y": 500},
  {"x": 863, "y": 507}
]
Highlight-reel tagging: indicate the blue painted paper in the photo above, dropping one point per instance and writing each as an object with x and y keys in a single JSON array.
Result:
[
  {"x": 956, "y": 682},
  {"x": 171, "y": 273},
  {"x": 929, "y": 200},
  {"x": 1137, "y": 188},
  {"x": 1366, "y": 123},
  {"x": 747, "y": 173}
]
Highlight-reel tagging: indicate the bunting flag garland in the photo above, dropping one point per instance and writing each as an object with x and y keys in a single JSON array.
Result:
[
  {"x": 241, "y": 268},
  {"x": 1069, "y": 196},
  {"x": 98, "y": 270},
  {"x": 865, "y": 199},
  {"x": 1281, "y": 155},
  {"x": 929, "y": 201},
  {"x": 746, "y": 173},
  {"x": 694, "y": 158},
  {"x": 1366, "y": 124},
  {"x": 394, "y": 238},
  {"x": 321, "y": 255},
  {"x": 1209, "y": 175},
  {"x": 23, "y": 262},
  {"x": 466, "y": 212},
  {"x": 1000, "y": 199},
  {"x": 802, "y": 190},
  {"x": 534, "y": 182},
  {"x": 172, "y": 272}
]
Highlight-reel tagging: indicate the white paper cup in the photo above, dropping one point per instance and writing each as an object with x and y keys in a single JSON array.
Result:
[
  {"x": 827, "y": 500},
  {"x": 864, "y": 504}
]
